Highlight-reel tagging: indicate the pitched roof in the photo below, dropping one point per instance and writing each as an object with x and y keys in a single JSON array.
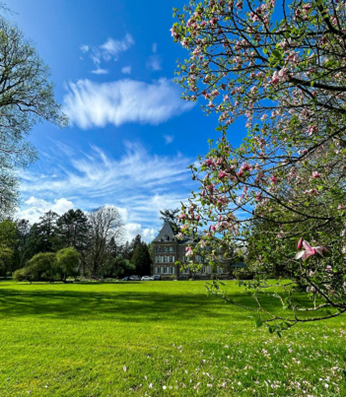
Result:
[{"x": 166, "y": 233}]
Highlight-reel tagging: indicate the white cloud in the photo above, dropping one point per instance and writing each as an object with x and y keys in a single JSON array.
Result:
[
  {"x": 168, "y": 139},
  {"x": 89, "y": 104},
  {"x": 114, "y": 47},
  {"x": 34, "y": 208},
  {"x": 154, "y": 62},
  {"x": 133, "y": 229},
  {"x": 84, "y": 48},
  {"x": 138, "y": 184},
  {"x": 126, "y": 70},
  {"x": 100, "y": 71},
  {"x": 107, "y": 51}
]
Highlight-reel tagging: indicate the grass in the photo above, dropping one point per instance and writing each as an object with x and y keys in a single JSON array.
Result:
[{"x": 156, "y": 339}]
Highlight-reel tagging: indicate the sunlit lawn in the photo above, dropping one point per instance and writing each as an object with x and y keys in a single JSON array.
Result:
[{"x": 156, "y": 339}]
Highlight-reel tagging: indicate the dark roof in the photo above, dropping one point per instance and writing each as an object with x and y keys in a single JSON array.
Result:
[{"x": 166, "y": 233}]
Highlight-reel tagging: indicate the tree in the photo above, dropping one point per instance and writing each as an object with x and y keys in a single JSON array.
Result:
[
  {"x": 41, "y": 238},
  {"x": 285, "y": 77},
  {"x": 72, "y": 230},
  {"x": 26, "y": 97},
  {"x": 8, "y": 244},
  {"x": 68, "y": 262},
  {"x": 170, "y": 216},
  {"x": 141, "y": 259},
  {"x": 42, "y": 266},
  {"x": 105, "y": 224}
]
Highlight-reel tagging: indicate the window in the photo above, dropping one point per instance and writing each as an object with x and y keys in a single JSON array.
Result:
[
  {"x": 156, "y": 270},
  {"x": 172, "y": 270},
  {"x": 161, "y": 270},
  {"x": 171, "y": 258},
  {"x": 219, "y": 270},
  {"x": 186, "y": 270},
  {"x": 198, "y": 258},
  {"x": 171, "y": 249},
  {"x": 166, "y": 249}
]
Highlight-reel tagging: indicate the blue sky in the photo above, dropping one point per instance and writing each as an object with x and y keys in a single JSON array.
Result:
[{"x": 130, "y": 137}]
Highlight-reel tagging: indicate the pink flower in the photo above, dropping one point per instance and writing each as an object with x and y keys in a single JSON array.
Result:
[
  {"x": 310, "y": 251},
  {"x": 182, "y": 216},
  {"x": 188, "y": 251},
  {"x": 222, "y": 174},
  {"x": 274, "y": 179},
  {"x": 300, "y": 243},
  {"x": 329, "y": 268},
  {"x": 315, "y": 174}
]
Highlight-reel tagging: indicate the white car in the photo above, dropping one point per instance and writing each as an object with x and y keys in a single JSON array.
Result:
[{"x": 145, "y": 278}]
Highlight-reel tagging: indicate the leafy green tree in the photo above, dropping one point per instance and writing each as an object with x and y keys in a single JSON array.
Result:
[
  {"x": 72, "y": 230},
  {"x": 8, "y": 245},
  {"x": 141, "y": 259},
  {"x": 42, "y": 237},
  {"x": 26, "y": 97},
  {"x": 68, "y": 262},
  {"x": 42, "y": 266}
]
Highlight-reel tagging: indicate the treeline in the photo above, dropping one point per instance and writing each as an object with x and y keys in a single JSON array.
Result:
[{"x": 74, "y": 244}]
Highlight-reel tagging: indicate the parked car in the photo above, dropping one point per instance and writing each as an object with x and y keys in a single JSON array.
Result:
[
  {"x": 135, "y": 278},
  {"x": 146, "y": 278},
  {"x": 126, "y": 279},
  {"x": 155, "y": 278}
]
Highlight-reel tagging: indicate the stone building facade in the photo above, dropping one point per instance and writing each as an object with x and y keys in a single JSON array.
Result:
[{"x": 168, "y": 250}]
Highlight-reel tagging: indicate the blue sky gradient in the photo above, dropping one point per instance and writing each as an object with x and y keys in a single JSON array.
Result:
[{"x": 131, "y": 136}]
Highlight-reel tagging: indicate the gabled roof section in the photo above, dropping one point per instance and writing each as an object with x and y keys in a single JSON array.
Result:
[{"x": 166, "y": 233}]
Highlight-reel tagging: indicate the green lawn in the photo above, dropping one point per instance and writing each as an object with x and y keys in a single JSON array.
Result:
[{"x": 156, "y": 339}]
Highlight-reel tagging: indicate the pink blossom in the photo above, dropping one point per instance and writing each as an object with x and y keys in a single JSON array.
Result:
[
  {"x": 188, "y": 251},
  {"x": 222, "y": 174},
  {"x": 300, "y": 243},
  {"x": 315, "y": 174},
  {"x": 310, "y": 251},
  {"x": 329, "y": 268}
]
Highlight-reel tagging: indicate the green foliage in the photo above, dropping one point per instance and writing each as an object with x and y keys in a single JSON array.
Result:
[
  {"x": 68, "y": 262},
  {"x": 141, "y": 259},
  {"x": 42, "y": 266},
  {"x": 8, "y": 244},
  {"x": 26, "y": 97}
]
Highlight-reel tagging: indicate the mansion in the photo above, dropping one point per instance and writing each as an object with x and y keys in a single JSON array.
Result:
[{"x": 168, "y": 250}]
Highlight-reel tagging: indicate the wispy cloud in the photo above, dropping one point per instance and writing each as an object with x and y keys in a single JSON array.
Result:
[
  {"x": 89, "y": 104},
  {"x": 168, "y": 139},
  {"x": 138, "y": 183},
  {"x": 110, "y": 50},
  {"x": 154, "y": 62},
  {"x": 126, "y": 70},
  {"x": 100, "y": 71}
]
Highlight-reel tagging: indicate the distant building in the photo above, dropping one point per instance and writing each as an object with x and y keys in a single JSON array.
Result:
[{"x": 168, "y": 250}]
